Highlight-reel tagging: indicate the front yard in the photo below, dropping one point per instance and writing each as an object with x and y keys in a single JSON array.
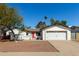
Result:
[
  {"x": 40, "y": 48},
  {"x": 27, "y": 46}
]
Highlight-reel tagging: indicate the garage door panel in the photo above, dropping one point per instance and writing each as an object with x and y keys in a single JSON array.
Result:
[{"x": 55, "y": 35}]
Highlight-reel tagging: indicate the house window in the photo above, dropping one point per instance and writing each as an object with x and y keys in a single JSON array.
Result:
[
  {"x": 26, "y": 33},
  {"x": 38, "y": 33}
]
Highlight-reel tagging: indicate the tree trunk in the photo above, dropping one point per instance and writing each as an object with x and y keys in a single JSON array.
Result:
[
  {"x": 13, "y": 34},
  {"x": 1, "y": 35}
]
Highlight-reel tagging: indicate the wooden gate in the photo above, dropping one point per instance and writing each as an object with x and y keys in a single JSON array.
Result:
[{"x": 77, "y": 36}]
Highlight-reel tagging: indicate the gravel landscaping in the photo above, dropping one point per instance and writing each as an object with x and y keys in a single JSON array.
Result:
[{"x": 27, "y": 46}]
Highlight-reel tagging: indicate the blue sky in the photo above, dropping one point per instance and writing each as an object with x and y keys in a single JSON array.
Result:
[{"x": 32, "y": 13}]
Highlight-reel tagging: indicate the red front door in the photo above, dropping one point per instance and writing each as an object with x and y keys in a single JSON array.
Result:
[{"x": 33, "y": 36}]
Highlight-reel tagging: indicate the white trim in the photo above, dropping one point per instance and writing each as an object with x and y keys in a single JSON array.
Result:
[{"x": 57, "y": 29}]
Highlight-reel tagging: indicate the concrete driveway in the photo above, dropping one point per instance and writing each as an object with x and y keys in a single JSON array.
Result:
[{"x": 66, "y": 48}]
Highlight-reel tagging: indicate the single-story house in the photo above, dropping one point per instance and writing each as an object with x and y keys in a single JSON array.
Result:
[
  {"x": 27, "y": 34},
  {"x": 48, "y": 33},
  {"x": 56, "y": 33}
]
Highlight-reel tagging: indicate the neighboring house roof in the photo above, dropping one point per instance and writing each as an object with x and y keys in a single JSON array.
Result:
[{"x": 75, "y": 28}]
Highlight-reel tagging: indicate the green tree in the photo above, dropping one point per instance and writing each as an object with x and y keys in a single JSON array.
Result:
[
  {"x": 57, "y": 22},
  {"x": 64, "y": 22},
  {"x": 9, "y": 19},
  {"x": 41, "y": 25},
  {"x": 54, "y": 21}
]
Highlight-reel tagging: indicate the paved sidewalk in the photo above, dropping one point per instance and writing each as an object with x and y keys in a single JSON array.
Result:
[{"x": 66, "y": 48}]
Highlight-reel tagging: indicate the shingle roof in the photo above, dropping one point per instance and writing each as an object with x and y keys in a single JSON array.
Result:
[{"x": 32, "y": 30}]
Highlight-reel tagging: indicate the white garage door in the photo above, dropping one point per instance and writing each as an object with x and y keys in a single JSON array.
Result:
[{"x": 50, "y": 35}]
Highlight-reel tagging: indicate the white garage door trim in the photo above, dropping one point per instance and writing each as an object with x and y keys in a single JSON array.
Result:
[{"x": 57, "y": 35}]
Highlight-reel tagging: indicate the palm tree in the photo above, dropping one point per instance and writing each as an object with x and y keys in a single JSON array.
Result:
[{"x": 45, "y": 17}]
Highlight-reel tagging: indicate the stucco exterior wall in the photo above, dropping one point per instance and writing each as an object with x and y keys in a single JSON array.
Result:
[
  {"x": 57, "y": 28},
  {"x": 22, "y": 35},
  {"x": 16, "y": 31}
]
